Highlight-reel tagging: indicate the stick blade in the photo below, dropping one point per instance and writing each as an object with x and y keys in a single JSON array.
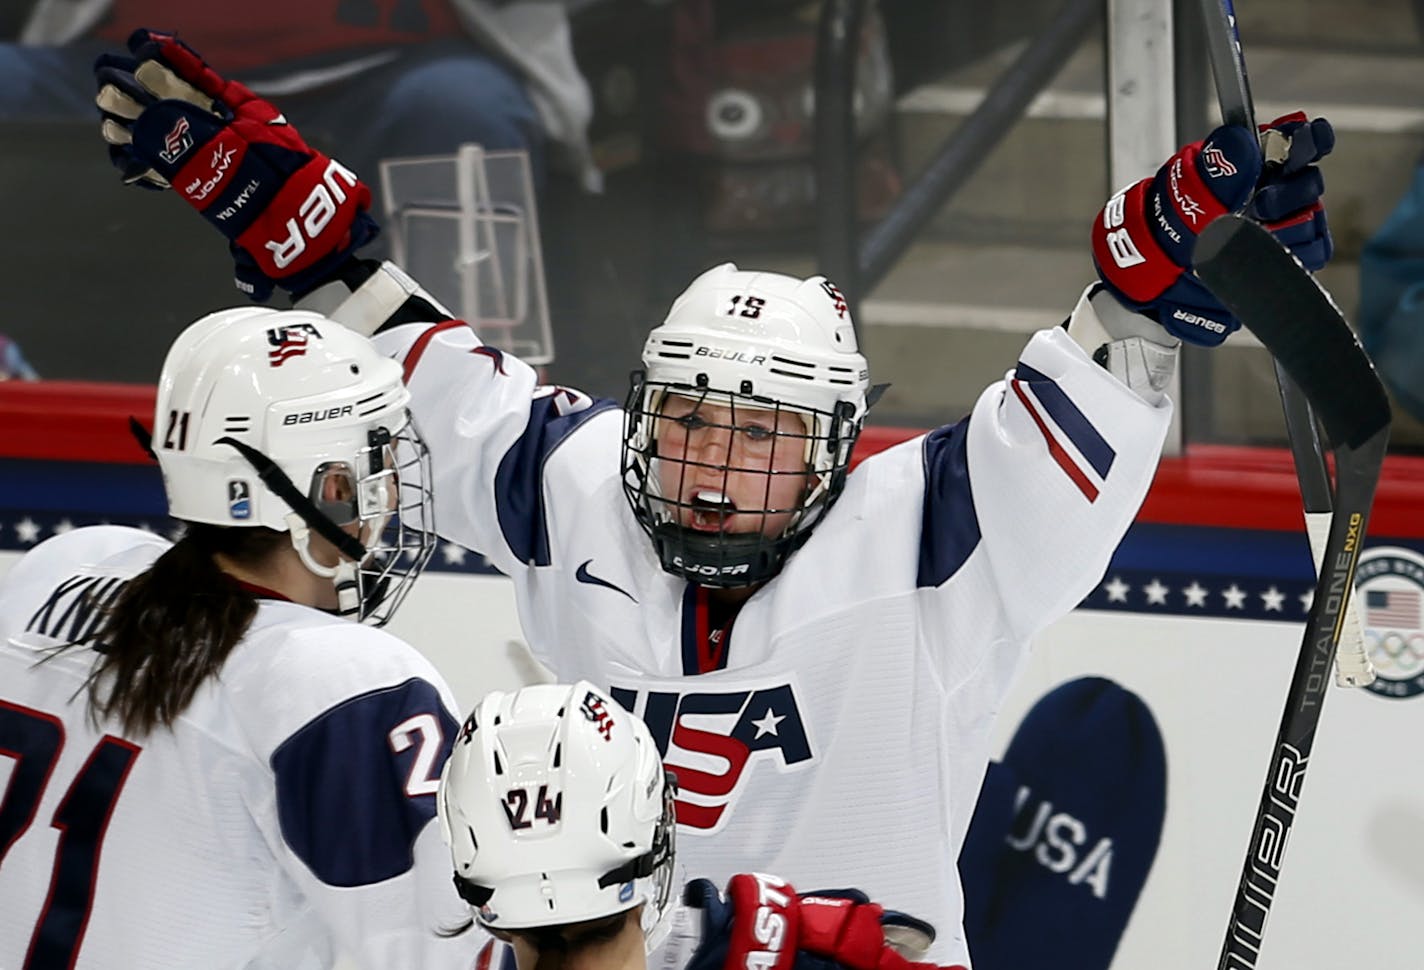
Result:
[{"x": 1277, "y": 299}]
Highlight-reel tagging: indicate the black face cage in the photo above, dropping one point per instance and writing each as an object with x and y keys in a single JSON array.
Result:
[
  {"x": 724, "y": 558},
  {"x": 402, "y": 548},
  {"x": 396, "y": 532},
  {"x": 665, "y": 846}
]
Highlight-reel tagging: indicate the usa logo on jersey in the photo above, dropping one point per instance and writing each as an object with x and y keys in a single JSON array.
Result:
[{"x": 740, "y": 730}]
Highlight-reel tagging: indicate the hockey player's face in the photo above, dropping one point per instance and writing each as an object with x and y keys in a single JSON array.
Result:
[
  {"x": 360, "y": 506},
  {"x": 731, "y": 468}
]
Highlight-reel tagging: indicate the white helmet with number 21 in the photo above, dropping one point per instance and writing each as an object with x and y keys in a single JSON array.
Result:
[{"x": 286, "y": 420}]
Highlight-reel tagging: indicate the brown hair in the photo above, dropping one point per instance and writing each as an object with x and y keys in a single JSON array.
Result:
[{"x": 173, "y": 626}]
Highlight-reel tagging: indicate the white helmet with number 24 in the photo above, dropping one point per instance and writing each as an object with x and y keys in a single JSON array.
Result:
[{"x": 557, "y": 810}]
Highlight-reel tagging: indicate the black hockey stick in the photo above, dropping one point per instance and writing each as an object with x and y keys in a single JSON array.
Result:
[
  {"x": 1233, "y": 94},
  {"x": 1277, "y": 299}
]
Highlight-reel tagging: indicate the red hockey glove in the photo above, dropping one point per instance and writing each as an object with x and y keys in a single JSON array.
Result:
[
  {"x": 290, "y": 213},
  {"x": 762, "y": 924},
  {"x": 1144, "y": 237}
]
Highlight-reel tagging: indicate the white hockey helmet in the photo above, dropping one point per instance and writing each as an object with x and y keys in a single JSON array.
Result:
[
  {"x": 557, "y": 810},
  {"x": 743, "y": 339},
  {"x": 285, "y": 419}
]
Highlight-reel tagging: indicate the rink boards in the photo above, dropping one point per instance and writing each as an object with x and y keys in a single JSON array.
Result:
[{"x": 1200, "y": 615}]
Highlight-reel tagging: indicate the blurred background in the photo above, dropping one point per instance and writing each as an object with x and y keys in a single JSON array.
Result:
[
  {"x": 558, "y": 172},
  {"x": 952, "y": 210}
]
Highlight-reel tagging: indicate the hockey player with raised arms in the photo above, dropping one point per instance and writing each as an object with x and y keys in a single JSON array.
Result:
[
  {"x": 208, "y": 762},
  {"x": 819, "y": 655},
  {"x": 560, "y": 819}
]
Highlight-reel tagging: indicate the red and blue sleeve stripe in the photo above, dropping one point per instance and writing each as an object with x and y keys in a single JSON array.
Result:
[{"x": 1073, "y": 442}]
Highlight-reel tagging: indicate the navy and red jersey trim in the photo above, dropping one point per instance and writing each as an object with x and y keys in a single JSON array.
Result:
[
  {"x": 706, "y": 632},
  {"x": 417, "y": 349},
  {"x": 1047, "y": 403}
]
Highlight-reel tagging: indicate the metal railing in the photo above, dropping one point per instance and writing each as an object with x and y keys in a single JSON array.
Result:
[{"x": 857, "y": 264}]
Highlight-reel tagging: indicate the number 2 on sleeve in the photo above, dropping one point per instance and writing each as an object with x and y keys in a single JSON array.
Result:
[{"x": 424, "y": 776}]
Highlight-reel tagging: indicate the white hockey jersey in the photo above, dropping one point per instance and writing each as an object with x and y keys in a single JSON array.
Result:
[
  {"x": 284, "y": 817},
  {"x": 843, "y": 735}
]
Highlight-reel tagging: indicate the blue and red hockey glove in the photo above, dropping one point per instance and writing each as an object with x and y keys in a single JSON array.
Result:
[
  {"x": 1144, "y": 237},
  {"x": 761, "y": 921},
  {"x": 290, "y": 213}
]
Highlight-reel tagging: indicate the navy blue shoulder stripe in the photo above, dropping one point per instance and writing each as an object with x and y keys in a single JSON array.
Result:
[
  {"x": 518, "y": 482},
  {"x": 950, "y": 527},
  {"x": 356, "y": 784},
  {"x": 1066, "y": 415},
  {"x": 689, "y": 624}
]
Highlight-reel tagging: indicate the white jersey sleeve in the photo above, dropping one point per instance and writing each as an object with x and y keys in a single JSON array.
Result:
[
  {"x": 492, "y": 428},
  {"x": 1000, "y": 523},
  {"x": 355, "y": 729},
  {"x": 1060, "y": 456}
]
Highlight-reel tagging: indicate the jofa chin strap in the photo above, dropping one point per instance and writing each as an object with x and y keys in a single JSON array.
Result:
[{"x": 276, "y": 480}]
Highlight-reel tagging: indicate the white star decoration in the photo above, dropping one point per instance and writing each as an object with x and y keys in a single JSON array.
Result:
[
  {"x": 28, "y": 530},
  {"x": 768, "y": 723},
  {"x": 1197, "y": 594}
]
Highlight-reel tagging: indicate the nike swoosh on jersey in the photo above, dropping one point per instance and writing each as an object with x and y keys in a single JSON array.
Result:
[
  {"x": 584, "y": 576},
  {"x": 279, "y": 120}
]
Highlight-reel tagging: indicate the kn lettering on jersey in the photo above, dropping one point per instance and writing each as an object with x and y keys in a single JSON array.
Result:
[
  {"x": 714, "y": 738},
  {"x": 73, "y": 610}
]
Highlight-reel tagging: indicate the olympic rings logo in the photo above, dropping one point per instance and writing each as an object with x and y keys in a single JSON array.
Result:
[{"x": 1395, "y": 653}]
